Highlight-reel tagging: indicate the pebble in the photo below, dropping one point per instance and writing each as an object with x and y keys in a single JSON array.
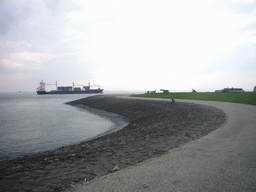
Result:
[{"x": 116, "y": 168}]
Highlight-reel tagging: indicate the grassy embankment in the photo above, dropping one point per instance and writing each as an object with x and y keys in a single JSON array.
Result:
[{"x": 243, "y": 98}]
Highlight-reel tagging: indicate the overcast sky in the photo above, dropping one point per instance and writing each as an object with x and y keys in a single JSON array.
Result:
[{"x": 128, "y": 45}]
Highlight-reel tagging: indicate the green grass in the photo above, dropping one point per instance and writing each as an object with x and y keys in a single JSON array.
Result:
[{"x": 243, "y": 98}]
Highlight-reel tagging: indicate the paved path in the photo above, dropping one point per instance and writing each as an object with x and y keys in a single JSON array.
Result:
[{"x": 224, "y": 160}]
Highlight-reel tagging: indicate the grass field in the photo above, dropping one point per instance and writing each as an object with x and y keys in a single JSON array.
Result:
[{"x": 243, "y": 98}]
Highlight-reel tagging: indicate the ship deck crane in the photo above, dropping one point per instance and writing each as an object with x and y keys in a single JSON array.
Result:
[
  {"x": 74, "y": 84},
  {"x": 53, "y": 84}
]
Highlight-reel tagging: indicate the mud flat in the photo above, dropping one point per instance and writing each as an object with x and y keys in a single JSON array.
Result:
[{"x": 155, "y": 128}]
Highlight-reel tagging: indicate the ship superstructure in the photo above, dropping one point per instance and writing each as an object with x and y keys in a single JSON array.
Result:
[{"x": 74, "y": 89}]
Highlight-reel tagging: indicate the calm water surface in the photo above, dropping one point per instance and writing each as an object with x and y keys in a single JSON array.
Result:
[{"x": 31, "y": 123}]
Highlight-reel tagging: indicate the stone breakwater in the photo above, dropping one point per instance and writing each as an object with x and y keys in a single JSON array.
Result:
[{"x": 155, "y": 128}]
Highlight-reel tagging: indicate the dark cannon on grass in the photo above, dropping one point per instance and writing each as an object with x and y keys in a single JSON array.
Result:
[{"x": 164, "y": 90}]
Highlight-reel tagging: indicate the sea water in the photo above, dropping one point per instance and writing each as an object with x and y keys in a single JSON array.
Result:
[{"x": 31, "y": 123}]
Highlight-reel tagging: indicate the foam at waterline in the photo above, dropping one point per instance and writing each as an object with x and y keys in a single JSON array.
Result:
[{"x": 119, "y": 120}]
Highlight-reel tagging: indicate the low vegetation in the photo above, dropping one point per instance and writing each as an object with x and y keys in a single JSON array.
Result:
[
  {"x": 243, "y": 98},
  {"x": 188, "y": 134}
]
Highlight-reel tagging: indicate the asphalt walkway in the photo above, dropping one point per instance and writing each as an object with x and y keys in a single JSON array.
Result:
[{"x": 224, "y": 160}]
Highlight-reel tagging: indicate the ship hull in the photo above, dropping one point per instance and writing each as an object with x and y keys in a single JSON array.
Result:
[{"x": 71, "y": 92}]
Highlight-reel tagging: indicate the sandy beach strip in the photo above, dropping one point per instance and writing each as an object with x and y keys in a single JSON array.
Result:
[{"x": 155, "y": 128}]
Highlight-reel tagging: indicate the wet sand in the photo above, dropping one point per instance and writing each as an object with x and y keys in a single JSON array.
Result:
[{"x": 155, "y": 128}]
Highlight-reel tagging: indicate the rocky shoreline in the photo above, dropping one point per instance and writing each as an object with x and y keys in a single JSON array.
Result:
[{"x": 155, "y": 128}]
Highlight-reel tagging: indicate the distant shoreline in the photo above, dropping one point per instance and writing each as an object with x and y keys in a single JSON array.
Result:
[{"x": 155, "y": 128}]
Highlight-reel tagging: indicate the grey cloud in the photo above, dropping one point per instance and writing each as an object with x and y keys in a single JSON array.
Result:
[
  {"x": 242, "y": 7},
  {"x": 11, "y": 16},
  {"x": 32, "y": 21},
  {"x": 5, "y": 69},
  {"x": 236, "y": 61},
  {"x": 243, "y": 58},
  {"x": 53, "y": 5},
  {"x": 6, "y": 21},
  {"x": 251, "y": 26},
  {"x": 61, "y": 7}
]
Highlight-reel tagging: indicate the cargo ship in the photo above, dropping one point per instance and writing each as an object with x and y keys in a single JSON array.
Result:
[{"x": 81, "y": 89}]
